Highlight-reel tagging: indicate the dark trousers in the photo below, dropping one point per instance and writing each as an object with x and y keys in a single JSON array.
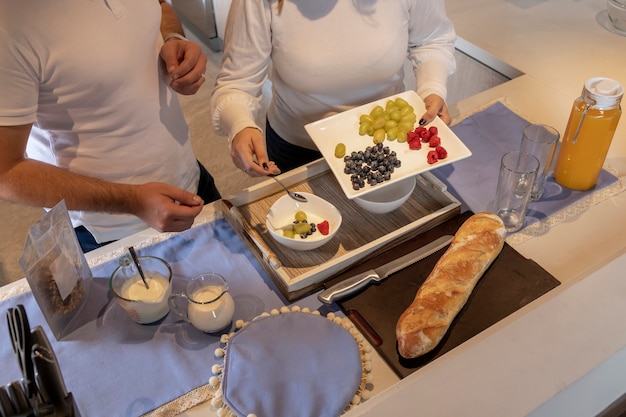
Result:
[
  {"x": 286, "y": 155},
  {"x": 206, "y": 190}
]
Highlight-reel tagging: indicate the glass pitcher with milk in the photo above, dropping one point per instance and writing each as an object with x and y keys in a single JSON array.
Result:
[{"x": 210, "y": 307}]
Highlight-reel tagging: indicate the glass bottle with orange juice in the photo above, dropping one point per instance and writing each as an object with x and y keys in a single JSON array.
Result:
[{"x": 589, "y": 133}]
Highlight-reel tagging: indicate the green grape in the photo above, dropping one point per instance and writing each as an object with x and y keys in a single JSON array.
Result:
[
  {"x": 400, "y": 102},
  {"x": 301, "y": 228},
  {"x": 407, "y": 110},
  {"x": 379, "y": 135},
  {"x": 392, "y": 133},
  {"x": 288, "y": 233},
  {"x": 379, "y": 123},
  {"x": 406, "y": 126},
  {"x": 300, "y": 216},
  {"x": 365, "y": 128},
  {"x": 409, "y": 118},
  {"x": 390, "y": 124},
  {"x": 340, "y": 150},
  {"x": 377, "y": 111},
  {"x": 366, "y": 119},
  {"x": 390, "y": 106}
]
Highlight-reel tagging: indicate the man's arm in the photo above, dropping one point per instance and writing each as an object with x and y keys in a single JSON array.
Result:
[
  {"x": 184, "y": 60},
  {"x": 169, "y": 20},
  {"x": 26, "y": 181}
]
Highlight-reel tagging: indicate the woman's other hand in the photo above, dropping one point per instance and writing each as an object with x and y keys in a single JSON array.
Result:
[
  {"x": 435, "y": 106},
  {"x": 248, "y": 152}
]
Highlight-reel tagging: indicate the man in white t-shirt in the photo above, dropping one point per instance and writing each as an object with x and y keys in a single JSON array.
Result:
[{"x": 89, "y": 114}]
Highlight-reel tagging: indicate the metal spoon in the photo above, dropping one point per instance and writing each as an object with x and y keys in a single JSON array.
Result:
[
  {"x": 133, "y": 255},
  {"x": 291, "y": 194}
]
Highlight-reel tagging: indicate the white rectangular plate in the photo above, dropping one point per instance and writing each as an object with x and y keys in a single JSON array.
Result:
[{"x": 344, "y": 128}]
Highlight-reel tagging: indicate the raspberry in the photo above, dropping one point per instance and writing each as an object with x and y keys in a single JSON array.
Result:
[
  {"x": 434, "y": 141},
  {"x": 420, "y": 130},
  {"x": 433, "y": 130},
  {"x": 432, "y": 157},
  {"x": 441, "y": 152},
  {"x": 415, "y": 143}
]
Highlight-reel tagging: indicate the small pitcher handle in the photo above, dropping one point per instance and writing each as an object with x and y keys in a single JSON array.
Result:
[{"x": 174, "y": 306}]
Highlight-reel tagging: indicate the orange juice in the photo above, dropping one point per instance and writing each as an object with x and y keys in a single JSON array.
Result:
[{"x": 586, "y": 144}]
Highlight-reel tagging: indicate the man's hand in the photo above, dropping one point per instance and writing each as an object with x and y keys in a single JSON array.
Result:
[
  {"x": 166, "y": 208},
  {"x": 186, "y": 63},
  {"x": 26, "y": 181},
  {"x": 248, "y": 153}
]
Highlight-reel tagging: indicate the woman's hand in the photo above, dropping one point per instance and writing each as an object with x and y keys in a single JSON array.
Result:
[
  {"x": 435, "y": 106},
  {"x": 247, "y": 150}
]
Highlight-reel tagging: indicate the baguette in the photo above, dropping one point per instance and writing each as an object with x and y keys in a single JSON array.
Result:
[{"x": 445, "y": 291}]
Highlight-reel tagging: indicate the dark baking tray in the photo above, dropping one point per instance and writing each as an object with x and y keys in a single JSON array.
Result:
[{"x": 510, "y": 283}]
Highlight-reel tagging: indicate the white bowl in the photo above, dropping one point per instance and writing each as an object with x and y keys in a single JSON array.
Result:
[
  {"x": 388, "y": 198},
  {"x": 282, "y": 213}
]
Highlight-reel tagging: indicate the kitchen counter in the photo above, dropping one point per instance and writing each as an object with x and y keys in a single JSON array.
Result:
[
  {"x": 565, "y": 353},
  {"x": 558, "y": 45}
]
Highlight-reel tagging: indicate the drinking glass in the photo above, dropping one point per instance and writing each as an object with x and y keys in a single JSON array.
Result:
[
  {"x": 541, "y": 141},
  {"x": 616, "y": 10},
  {"x": 143, "y": 304},
  {"x": 518, "y": 171}
]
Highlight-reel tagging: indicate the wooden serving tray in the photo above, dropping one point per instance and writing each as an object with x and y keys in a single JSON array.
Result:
[{"x": 362, "y": 234}]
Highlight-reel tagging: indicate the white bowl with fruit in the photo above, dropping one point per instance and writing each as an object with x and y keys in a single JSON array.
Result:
[{"x": 303, "y": 226}]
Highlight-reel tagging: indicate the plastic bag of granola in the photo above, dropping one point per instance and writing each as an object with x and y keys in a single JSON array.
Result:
[{"x": 57, "y": 271}]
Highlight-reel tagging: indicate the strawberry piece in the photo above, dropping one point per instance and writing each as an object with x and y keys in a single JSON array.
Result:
[
  {"x": 432, "y": 157},
  {"x": 323, "y": 227}
]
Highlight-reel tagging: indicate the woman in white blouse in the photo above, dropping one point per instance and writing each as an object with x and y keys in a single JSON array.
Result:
[{"x": 322, "y": 57}]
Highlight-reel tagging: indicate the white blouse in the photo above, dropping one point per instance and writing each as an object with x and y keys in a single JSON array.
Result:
[{"x": 326, "y": 56}]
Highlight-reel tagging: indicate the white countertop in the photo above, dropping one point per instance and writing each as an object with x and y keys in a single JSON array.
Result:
[{"x": 565, "y": 353}]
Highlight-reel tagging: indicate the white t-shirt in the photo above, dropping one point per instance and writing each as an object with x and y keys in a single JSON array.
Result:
[
  {"x": 324, "y": 57},
  {"x": 88, "y": 75}
]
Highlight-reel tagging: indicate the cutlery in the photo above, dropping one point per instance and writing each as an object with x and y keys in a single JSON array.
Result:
[
  {"x": 6, "y": 406},
  {"x": 133, "y": 255},
  {"x": 49, "y": 377},
  {"x": 19, "y": 331},
  {"x": 295, "y": 196},
  {"x": 356, "y": 283}
]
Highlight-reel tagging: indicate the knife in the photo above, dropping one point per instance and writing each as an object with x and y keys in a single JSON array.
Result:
[{"x": 351, "y": 285}]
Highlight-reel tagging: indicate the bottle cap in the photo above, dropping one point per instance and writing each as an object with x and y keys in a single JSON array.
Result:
[{"x": 605, "y": 92}]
